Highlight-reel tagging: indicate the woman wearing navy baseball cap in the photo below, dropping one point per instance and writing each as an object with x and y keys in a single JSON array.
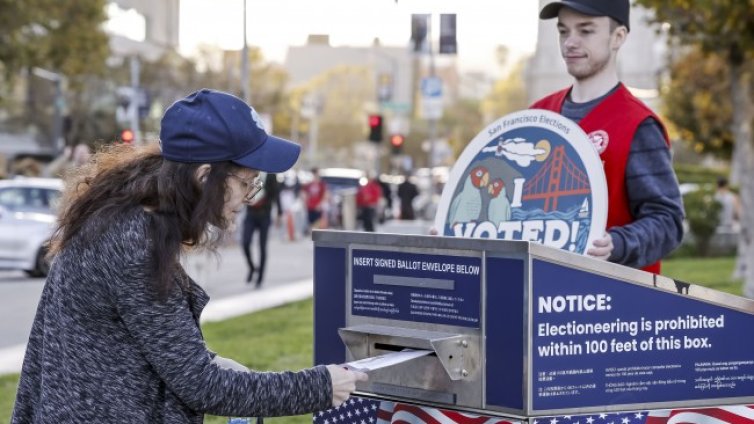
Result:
[{"x": 116, "y": 337}]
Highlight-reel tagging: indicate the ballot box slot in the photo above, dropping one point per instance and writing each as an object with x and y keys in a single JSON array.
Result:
[{"x": 396, "y": 348}]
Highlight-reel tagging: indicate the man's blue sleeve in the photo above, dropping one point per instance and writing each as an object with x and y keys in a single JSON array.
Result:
[{"x": 654, "y": 200}]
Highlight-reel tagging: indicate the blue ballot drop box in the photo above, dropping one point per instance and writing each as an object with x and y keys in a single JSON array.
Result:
[{"x": 522, "y": 330}]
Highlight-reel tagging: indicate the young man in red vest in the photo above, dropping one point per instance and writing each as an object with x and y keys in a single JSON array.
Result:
[{"x": 645, "y": 213}]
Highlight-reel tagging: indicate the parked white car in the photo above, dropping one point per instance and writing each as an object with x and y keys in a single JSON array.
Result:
[{"x": 28, "y": 213}]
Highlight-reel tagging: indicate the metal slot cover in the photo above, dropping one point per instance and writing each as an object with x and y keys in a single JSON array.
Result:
[{"x": 458, "y": 354}]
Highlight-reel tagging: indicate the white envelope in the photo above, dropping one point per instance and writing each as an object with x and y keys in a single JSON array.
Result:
[{"x": 385, "y": 360}]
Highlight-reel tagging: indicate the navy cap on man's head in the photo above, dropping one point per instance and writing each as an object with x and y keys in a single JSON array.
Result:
[
  {"x": 211, "y": 126},
  {"x": 616, "y": 9}
]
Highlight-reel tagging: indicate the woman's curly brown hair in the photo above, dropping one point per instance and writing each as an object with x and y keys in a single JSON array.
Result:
[{"x": 120, "y": 177}]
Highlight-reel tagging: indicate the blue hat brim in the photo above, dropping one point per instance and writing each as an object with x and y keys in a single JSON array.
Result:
[{"x": 275, "y": 155}]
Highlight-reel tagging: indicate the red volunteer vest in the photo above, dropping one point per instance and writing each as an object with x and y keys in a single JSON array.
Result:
[{"x": 614, "y": 122}]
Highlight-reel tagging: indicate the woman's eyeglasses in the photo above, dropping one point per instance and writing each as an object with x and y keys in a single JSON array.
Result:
[{"x": 252, "y": 188}]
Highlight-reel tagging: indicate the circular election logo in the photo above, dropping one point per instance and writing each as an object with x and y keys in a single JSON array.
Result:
[{"x": 531, "y": 175}]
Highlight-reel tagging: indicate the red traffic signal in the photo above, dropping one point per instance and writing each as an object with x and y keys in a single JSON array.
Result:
[
  {"x": 375, "y": 128},
  {"x": 127, "y": 136},
  {"x": 396, "y": 140}
]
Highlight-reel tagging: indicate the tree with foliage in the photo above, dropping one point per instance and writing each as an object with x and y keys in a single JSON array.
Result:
[
  {"x": 462, "y": 121},
  {"x": 703, "y": 216},
  {"x": 62, "y": 36},
  {"x": 697, "y": 103},
  {"x": 269, "y": 92},
  {"x": 343, "y": 94},
  {"x": 726, "y": 28},
  {"x": 507, "y": 95},
  {"x": 173, "y": 76},
  {"x": 65, "y": 37}
]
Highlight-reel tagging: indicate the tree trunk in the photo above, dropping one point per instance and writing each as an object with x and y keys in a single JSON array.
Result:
[
  {"x": 737, "y": 160},
  {"x": 743, "y": 111}
]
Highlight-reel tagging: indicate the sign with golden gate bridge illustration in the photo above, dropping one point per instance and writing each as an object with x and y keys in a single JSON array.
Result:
[{"x": 531, "y": 175}]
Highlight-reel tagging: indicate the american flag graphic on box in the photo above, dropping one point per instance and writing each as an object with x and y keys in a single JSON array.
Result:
[
  {"x": 719, "y": 415},
  {"x": 367, "y": 411}
]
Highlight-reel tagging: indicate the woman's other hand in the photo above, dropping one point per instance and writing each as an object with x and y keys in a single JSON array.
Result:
[{"x": 343, "y": 383}]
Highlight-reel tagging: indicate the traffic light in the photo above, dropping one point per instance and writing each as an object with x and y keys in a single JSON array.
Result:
[
  {"x": 396, "y": 140},
  {"x": 448, "y": 43},
  {"x": 127, "y": 136},
  {"x": 375, "y": 128},
  {"x": 419, "y": 30}
]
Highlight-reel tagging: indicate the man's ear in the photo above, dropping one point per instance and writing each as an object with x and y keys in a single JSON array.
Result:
[
  {"x": 202, "y": 172},
  {"x": 618, "y": 37}
]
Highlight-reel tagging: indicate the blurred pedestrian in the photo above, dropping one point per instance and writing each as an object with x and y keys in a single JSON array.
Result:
[
  {"x": 259, "y": 217},
  {"x": 367, "y": 201},
  {"x": 730, "y": 210},
  {"x": 69, "y": 160},
  {"x": 293, "y": 210},
  {"x": 729, "y": 222},
  {"x": 315, "y": 197},
  {"x": 407, "y": 192},
  {"x": 387, "y": 194},
  {"x": 116, "y": 336}
]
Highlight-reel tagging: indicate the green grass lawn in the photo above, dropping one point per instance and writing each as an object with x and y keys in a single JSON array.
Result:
[
  {"x": 281, "y": 338},
  {"x": 714, "y": 273}
]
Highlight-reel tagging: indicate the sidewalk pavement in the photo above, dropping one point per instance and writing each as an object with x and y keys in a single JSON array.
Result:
[{"x": 234, "y": 306}]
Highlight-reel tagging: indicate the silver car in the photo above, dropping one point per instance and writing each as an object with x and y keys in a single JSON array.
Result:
[{"x": 28, "y": 214}]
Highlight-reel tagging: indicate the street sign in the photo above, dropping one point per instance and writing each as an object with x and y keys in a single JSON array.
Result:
[
  {"x": 396, "y": 106},
  {"x": 311, "y": 106},
  {"x": 384, "y": 87},
  {"x": 431, "y": 87},
  {"x": 431, "y": 90}
]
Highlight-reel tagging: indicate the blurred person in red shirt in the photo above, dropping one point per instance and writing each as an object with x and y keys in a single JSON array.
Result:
[
  {"x": 315, "y": 196},
  {"x": 367, "y": 199}
]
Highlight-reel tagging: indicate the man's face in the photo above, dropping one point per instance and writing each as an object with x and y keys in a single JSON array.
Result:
[{"x": 586, "y": 43}]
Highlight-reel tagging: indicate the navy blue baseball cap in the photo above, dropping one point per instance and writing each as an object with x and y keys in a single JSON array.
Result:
[
  {"x": 616, "y": 9},
  {"x": 211, "y": 126}
]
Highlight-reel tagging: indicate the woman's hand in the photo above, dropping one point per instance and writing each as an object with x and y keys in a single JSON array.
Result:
[{"x": 343, "y": 383}]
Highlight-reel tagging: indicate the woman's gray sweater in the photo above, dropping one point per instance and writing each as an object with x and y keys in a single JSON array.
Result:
[{"x": 105, "y": 348}]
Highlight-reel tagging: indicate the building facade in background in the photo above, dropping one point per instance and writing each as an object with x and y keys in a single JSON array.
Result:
[
  {"x": 317, "y": 56},
  {"x": 144, "y": 27}
]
